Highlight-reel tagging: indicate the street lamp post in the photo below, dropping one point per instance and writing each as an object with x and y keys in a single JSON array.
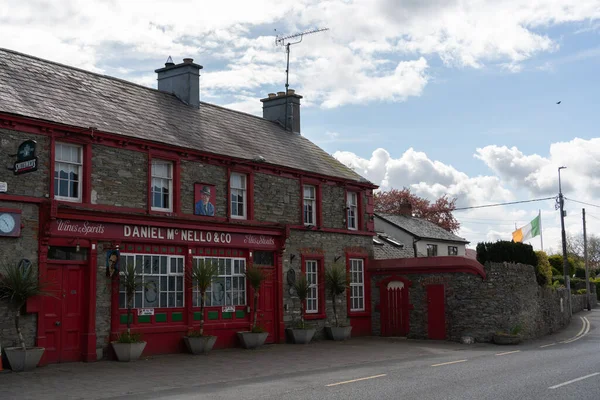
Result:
[{"x": 564, "y": 243}]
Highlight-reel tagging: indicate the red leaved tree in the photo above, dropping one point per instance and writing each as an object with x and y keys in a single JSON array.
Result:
[{"x": 439, "y": 212}]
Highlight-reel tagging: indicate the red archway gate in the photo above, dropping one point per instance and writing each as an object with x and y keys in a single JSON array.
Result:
[{"x": 395, "y": 306}]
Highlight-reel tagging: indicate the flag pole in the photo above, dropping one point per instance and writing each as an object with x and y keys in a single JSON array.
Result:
[{"x": 541, "y": 230}]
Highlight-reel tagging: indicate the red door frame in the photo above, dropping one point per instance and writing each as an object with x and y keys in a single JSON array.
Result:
[
  {"x": 436, "y": 312},
  {"x": 384, "y": 308}
]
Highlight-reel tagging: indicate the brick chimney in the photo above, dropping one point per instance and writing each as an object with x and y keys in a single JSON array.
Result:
[
  {"x": 274, "y": 109},
  {"x": 182, "y": 80},
  {"x": 406, "y": 209}
]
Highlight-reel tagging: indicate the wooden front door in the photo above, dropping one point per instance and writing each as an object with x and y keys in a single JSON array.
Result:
[
  {"x": 62, "y": 313},
  {"x": 436, "y": 312},
  {"x": 394, "y": 309},
  {"x": 266, "y": 304}
]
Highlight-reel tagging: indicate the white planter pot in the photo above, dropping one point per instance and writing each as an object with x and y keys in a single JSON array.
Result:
[
  {"x": 338, "y": 332},
  {"x": 302, "y": 336},
  {"x": 128, "y": 351},
  {"x": 250, "y": 340},
  {"x": 23, "y": 360},
  {"x": 199, "y": 345}
]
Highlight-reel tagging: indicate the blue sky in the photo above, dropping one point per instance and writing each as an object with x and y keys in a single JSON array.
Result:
[{"x": 446, "y": 97}]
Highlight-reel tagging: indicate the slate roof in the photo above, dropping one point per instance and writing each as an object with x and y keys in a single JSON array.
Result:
[
  {"x": 421, "y": 228},
  {"x": 383, "y": 249},
  {"x": 45, "y": 90}
]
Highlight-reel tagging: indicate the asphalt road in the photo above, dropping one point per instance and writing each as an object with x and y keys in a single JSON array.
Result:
[{"x": 568, "y": 368}]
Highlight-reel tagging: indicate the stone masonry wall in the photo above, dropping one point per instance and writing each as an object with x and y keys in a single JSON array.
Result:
[
  {"x": 119, "y": 177},
  {"x": 103, "y": 303},
  {"x": 330, "y": 245},
  {"x": 276, "y": 199},
  {"x": 195, "y": 172},
  {"x": 334, "y": 206},
  {"x": 11, "y": 251},
  {"x": 508, "y": 297},
  {"x": 33, "y": 183}
]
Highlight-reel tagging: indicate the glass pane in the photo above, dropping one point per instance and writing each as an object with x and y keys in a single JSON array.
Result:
[
  {"x": 122, "y": 300},
  {"x": 179, "y": 301},
  {"x": 180, "y": 265},
  {"x": 171, "y": 283},
  {"x": 163, "y": 265},
  {"x": 218, "y": 291},
  {"x": 151, "y": 292},
  {"x": 228, "y": 266},
  {"x": 63, "y": 188},
  {"x": 138, "y": 300},
  {"x": 163, "y": 299},
  {"x": 147, "y": 264},
  {"x": 171, "y": 300},
  {"x": 163, "y": 283},
  {"x": 155, "y": 265},
  {"x": 173, "y": 269}
]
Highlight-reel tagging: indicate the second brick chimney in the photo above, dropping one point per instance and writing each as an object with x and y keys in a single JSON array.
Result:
[
  {"x": 274, "y": 109},
  {"x": 182, "y": 80}
]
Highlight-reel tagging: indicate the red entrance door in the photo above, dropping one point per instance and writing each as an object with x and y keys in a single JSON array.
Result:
[
  {"x": 63, "y": 320},
  {"x": 436, "y": 312},
  {"x": 266, "y": 304},
  {"x": 394, "y": 309}
]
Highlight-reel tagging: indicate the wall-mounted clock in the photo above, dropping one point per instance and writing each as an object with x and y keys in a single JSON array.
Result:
[{"x": 10, "y": 224}]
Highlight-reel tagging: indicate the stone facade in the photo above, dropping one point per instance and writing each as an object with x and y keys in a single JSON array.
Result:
[
  {"x": 119, "y": 177},
  {"x": 277, "y": 199},
  {"x": 11, "y": 251},
  {"x": 508, "y": 297},
  {"x": 195, "y": 172},
  {"x": 334, "y": 206},
  {"x": 329, "y": 245},
  {"x": 103, "y": 303}
]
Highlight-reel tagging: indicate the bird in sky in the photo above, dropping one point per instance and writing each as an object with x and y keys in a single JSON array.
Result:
[{"x": 558, "y": 102}]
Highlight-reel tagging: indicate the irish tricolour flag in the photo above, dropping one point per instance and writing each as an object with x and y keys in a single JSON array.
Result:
[{"x": 528, "y": 231}]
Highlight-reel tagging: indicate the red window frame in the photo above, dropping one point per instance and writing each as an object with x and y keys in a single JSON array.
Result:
[
  {"x": 359, "y": 208},
  {"x": 320, "y": 259},
  {"x": 319, "y": 196},
  {"x": 366, "y": 288},
  {"x": 249, "y": 192},
  {"x": 86, "y": 175},
  {"x": 176, "y": 195}
]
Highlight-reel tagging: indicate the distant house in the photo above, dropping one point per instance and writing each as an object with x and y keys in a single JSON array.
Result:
[
  {"x": 422, "y": 237},
  {"x": 386, "y": 247}
]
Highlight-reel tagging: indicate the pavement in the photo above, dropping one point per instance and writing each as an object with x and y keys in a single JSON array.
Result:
[{"x": 274, "y": 370}]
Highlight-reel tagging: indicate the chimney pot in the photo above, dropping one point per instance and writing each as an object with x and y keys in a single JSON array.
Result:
[
  {"x": 280, "y": 94},
  {"x": 272, "y": 95},
  {"x": 291, "y": 91},
  {"x": 188, "y": 60}
]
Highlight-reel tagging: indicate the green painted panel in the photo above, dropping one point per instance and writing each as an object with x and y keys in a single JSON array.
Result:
[
  {"x": 213, "y": 315},
  {"x": 123, "y": 319},
  {"x": 161, "y": 317},
  {"x": 177, "y": 316},
  {"x": 144, "y": 318},
  {"x": 197, "y": 316},
  {"x": 240, "y": 314},
  {"x": 163, "y": 250},
  {"x": 227, "y": 315}
]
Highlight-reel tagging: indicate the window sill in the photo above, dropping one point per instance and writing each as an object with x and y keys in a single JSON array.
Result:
[
  {"x": 67, "y": 199},
  {"x": 314, "y": 316}
]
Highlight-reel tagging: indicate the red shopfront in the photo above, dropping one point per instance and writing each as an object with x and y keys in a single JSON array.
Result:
[{"x": 167, "y": 306}]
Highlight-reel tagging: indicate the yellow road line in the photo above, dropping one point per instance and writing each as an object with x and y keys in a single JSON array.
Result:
[
  {"x": 356, "y": 380},
  {"x": 508, "y": 352},
  {"x": 448, "y": 363}
]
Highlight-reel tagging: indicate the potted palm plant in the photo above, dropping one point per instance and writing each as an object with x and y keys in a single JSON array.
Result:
[
  {"x": 129, "y": 346},
  {"x": 302, "y": 334},
  {"x": 256, "y": 336},
  {"x": 336, "y": 282},
  {"x": 201, "y": 274},
  {"x": 19, "y": 283}
]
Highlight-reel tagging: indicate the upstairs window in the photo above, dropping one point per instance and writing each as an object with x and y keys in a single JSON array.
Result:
[
  {"x": 352, "y": 207},
  {"x": 68, "y": 166},
  {"x": 162, "y": 185},
  {"x": 238, "y": 188},
  {"x": 452, "y": 250},
  {"x": 310, "y": 205},
  {"x": 432, "y": 250}
]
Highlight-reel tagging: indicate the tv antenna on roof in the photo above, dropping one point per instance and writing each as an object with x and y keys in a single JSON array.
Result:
[{"x": 285, "y": 41}]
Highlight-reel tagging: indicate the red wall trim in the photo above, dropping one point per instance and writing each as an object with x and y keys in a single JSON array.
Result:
[
  {"x": 334, "y": 230},
  {"x": 322, "y": 312},
  {"x": 21, "y": 199},
  {"x": 428, "y": 265},
  {"x": 10, "y": 210}
]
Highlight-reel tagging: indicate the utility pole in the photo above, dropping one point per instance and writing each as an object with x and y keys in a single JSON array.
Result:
[
  {"x": 585, "y": 256},
  {"x": 566, "y": 271}
]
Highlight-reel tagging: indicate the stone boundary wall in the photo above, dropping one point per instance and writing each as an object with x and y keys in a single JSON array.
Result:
[{"x": 508, "y": 297}]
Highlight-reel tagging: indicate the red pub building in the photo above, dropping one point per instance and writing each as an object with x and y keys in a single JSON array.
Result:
[{"x": 107, "y": 173}]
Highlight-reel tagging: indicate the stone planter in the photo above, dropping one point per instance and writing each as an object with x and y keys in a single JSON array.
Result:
[
  {"x": 128, "y": 351},
  {"x": 507, "y": 339},
  {"x": 199, "y": 345},
  {"x": 338, "y": 332},
  {"x": 23, "y": 360},
  {"x": 250, "y": 340},
  {"x": 301, "y": 336}
]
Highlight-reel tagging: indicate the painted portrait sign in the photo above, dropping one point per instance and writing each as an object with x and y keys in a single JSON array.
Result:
[
  {"x": 112, "y": 262},
  {"x": 204, "y": 199}
]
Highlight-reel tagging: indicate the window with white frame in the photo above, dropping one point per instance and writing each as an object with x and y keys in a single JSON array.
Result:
[
  {"x": 452, "y": 250},
  {"x": 162, "y": 185},
  {"x": 310, "y": 205},
  {"x": 432, "y": 250},
  {"x": 68, "y": 166},
  {"x": 162, "y": 279},
  {"x": 238, "y": 195},
  {"x": 312, "y": 277},
  {"x": 228, "y": 286},
  {"x": 357, "y": 284},
  {"x": 352, "y": 206}
]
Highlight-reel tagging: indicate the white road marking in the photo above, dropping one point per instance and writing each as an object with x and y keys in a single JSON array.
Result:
[
  {"x": 548, "y": 345},
  {"x": 356, "y": 380},
  {"x": 448, "y": 363},
  {"x": 508, "y": 352},
  {"x": 574, "y": 380}
]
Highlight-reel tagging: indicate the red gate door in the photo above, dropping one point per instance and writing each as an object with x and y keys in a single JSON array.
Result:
[
  {"x": 266, "y": 304},
  {"x": 63, "y": 319},
  {"x": 394, "y": 309},
  {"x": 436, "y": 312}
]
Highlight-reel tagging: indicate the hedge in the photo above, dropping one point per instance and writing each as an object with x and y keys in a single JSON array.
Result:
[{"x": 505, "y": 251}]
